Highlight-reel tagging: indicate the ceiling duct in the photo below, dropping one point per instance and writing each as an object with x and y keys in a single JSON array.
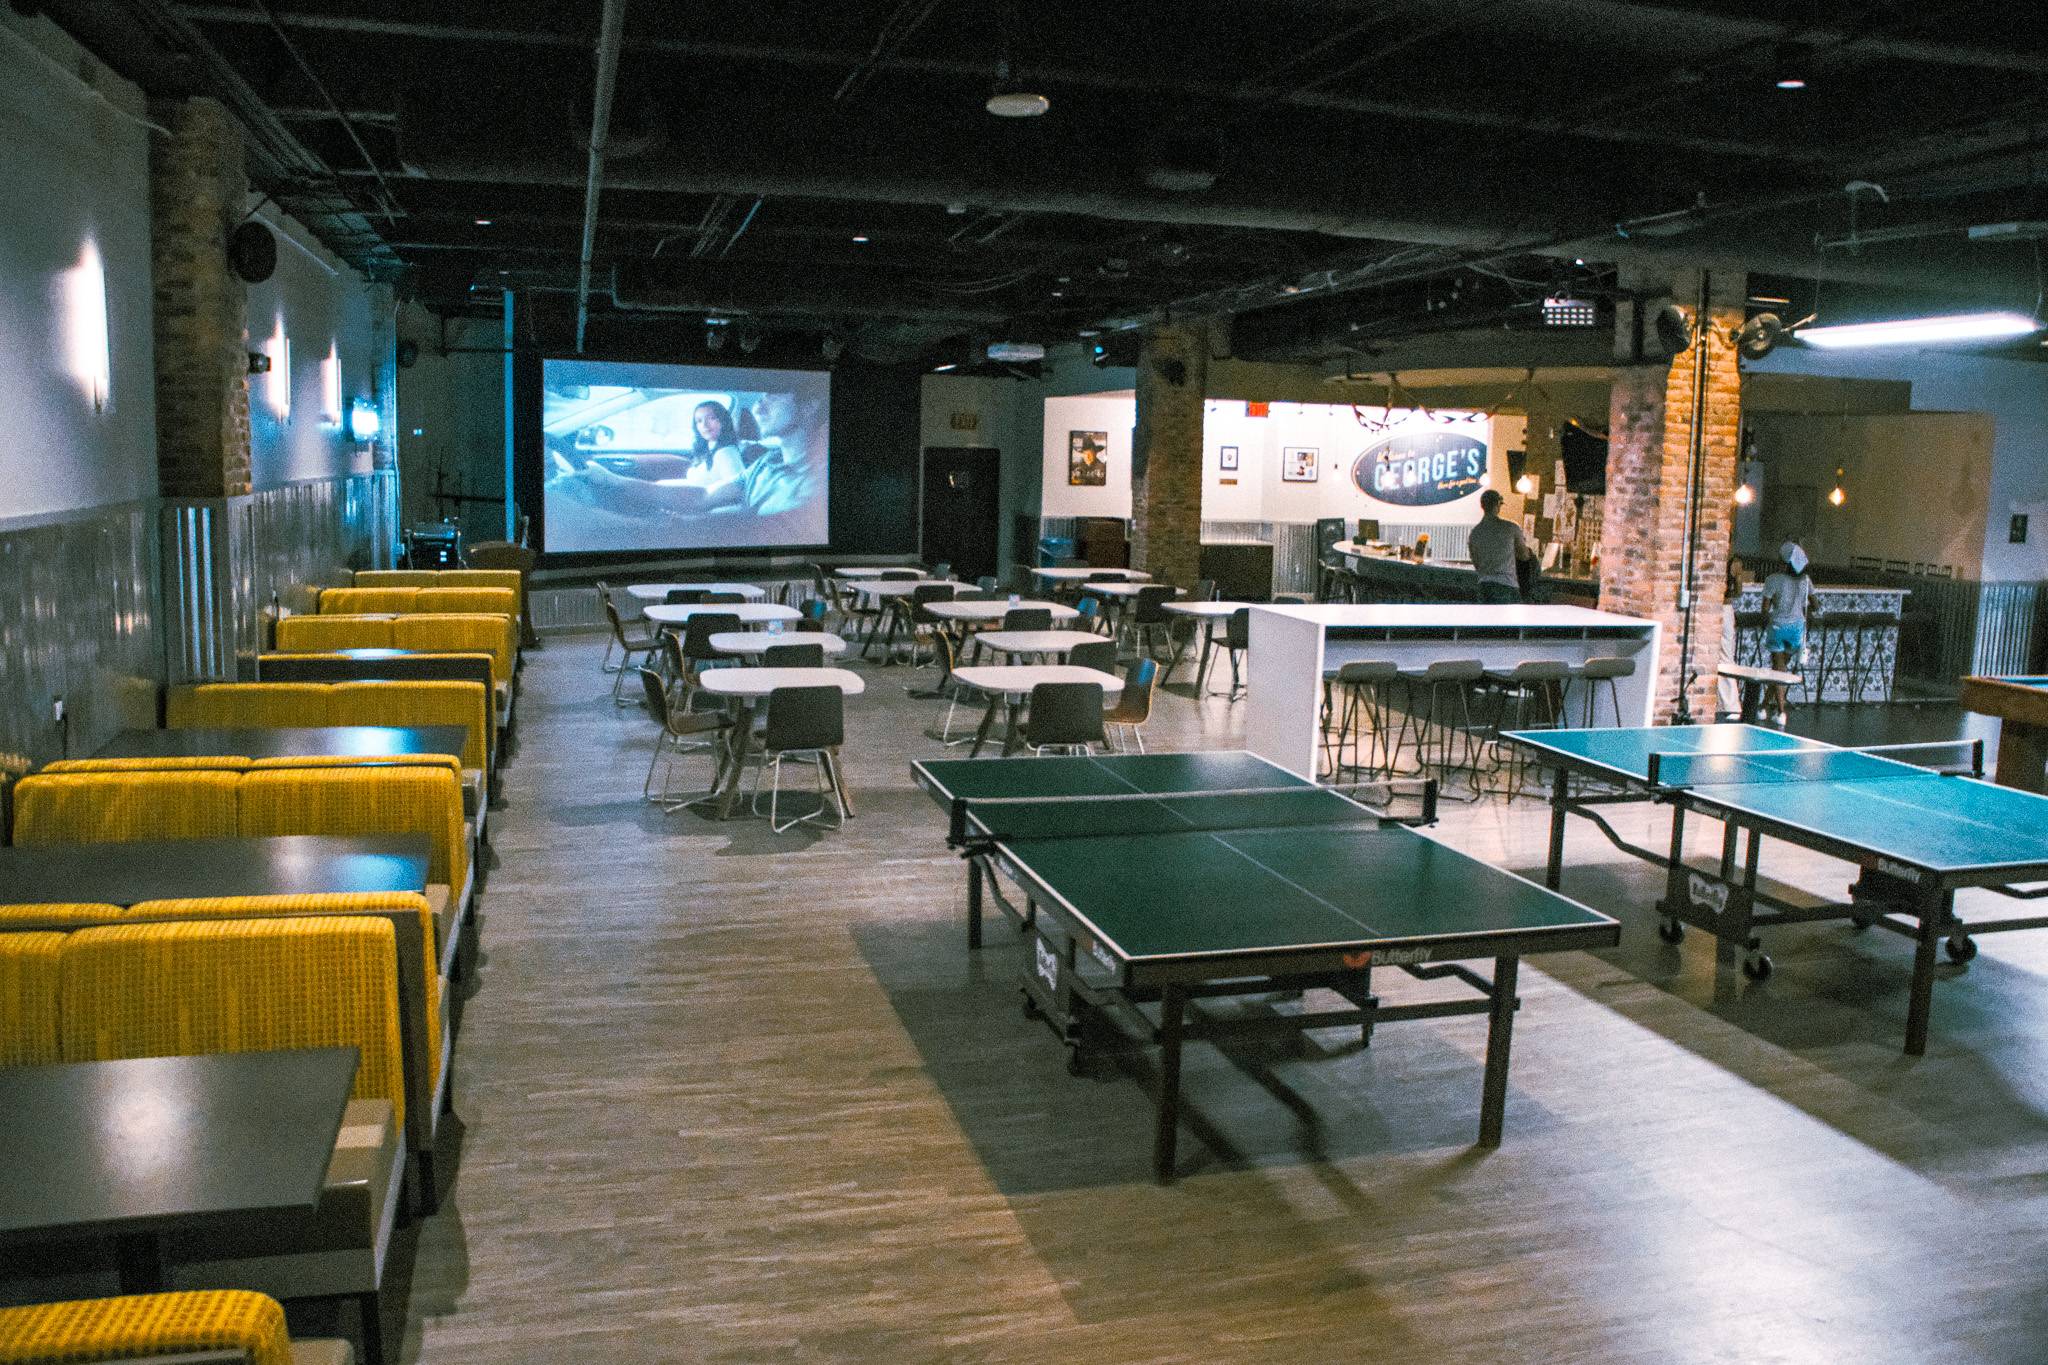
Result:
[{"x": 791, "y": 292}]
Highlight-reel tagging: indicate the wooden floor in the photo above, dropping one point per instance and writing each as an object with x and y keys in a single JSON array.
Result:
[{"x": 729, "y": 1096}]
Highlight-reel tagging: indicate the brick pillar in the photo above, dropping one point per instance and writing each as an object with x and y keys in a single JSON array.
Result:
[
  {"x": 1166, "y": 505},
  {"x": 197, "y": 186},
  {"x": 1643, "y": 540}
]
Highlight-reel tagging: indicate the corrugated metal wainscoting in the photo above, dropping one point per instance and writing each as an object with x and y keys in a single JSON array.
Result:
[{"x": 78, "y": 620}]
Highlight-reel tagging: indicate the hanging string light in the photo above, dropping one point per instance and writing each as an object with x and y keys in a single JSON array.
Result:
[{"x": 1835, "y": 494}]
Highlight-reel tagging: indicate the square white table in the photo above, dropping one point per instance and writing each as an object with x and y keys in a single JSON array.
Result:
[
  {"x": 746, "y": 688},
  {"x": 1012, "y": 684},
  {"x": 1073, "y": 574},
  {"x": 658, "y": 592},
  {"x": 749, "y": 613}
]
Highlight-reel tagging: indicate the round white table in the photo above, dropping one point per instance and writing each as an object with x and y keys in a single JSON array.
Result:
[
  {"x": 658, "y": 592},
  {"x": 745, "y": 688},
  {"x": 1035, "y": 641},
  {"x": 754, "y": 643},
  {"x": 1207, "y": 614},
  {"x": 750, "y": 613},
  {"x": 874, "y": 589},
  {"x": 995, "y": 611},
  {"x": 1082, "y": 574},
  {"x": 1012, "y": 684}
]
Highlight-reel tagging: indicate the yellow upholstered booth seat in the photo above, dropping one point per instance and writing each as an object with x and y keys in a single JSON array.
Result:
[
  {"x": 146, "y": 1325},
  {"x": 395, "y": 578},
  {"x": 461, "y": 633},
  {"x": 491, "y": 601},
  {"x": 28, "y": 997},
  {"x": 324, "y": 634},
  {"x": 368, "y": 799},
  {"x": 417, "y": 703},
  {"x": 356, "y": 601},
  {"x": 425, "y": 1038},
  {"x": 121, "y": 807},
  {"x": 55, "y": 915},
  {"x": 194, "y": 988},
  {"x": 206, "y": 706},
  {"x": 168, "y": 763},
  {"x": 507, "y": 579}
]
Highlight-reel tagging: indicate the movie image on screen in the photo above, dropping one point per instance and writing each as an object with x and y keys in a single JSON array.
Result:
[{"x": 682, "y": 457}]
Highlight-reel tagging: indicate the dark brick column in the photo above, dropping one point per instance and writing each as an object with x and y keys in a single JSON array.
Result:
[
  {"x": 1166, "y": 505},
  {"x": 197, "y": 187},
  {"x": 1643, "y": 540}
]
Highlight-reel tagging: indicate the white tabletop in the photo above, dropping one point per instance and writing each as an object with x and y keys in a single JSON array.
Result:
[
  {"x": 867, "y": 570},
  {"x": 901, "y": 587},
  {"x": 1203, "y": 608},
  {"x": 655, "y": 592},
  {"x": 1076, "y": 575},
  {"x": 994, "y": 611},
  {"x": 1016, "y": 680},
  {"x": 1036, "y": 641},
  {"x": 1131, "y": 589},
  {"x": 750, "y": 613},
  {"x": 760, "y": 641},
  {"x": 759, "y": 682}
]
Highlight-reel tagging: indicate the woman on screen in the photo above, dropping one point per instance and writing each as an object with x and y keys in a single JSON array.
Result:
[{"x": 715, "y": 455}]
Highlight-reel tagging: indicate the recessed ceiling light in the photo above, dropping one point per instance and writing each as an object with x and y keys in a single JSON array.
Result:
[
  {"x": 860, "y": 237},
  {"x": 483, "y": 222},
  {"x": 941, "y": 369},
  {"x": 1017, "y": 104}
]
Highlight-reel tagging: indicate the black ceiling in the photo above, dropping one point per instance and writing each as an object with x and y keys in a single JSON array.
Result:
[{"x": 1219, "y": 157}]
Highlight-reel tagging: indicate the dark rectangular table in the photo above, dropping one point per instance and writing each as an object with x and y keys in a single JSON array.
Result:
[
  {"x": 2021, "y": 706},
  {"x": 288, "y": 741},
  {"x": 1918, "y": 836},
  {"x": 130, "y": 1150},
  {"x": 174, "y": 869},
  {"x": 1183, "y": 877}
]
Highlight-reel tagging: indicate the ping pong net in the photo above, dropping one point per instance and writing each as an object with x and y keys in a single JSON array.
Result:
[
  {"x": 1875, "y": 763},
  {"x": 1016, "y": 819}
]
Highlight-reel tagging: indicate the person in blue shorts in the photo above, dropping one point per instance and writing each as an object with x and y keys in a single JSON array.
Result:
[{"x": 1788, "y": 592}]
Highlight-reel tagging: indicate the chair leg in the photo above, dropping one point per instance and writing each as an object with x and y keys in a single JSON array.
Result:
[{"x": 370, "y": 1326}]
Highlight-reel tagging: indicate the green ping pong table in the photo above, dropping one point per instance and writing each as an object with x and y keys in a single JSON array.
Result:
[
  {"x": 1917, "y": 835},
  {"x": 1175, "y": 878}
]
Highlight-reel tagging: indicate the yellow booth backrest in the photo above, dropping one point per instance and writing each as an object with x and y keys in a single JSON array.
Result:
[
  {"x": 438, "y": 578},
  {"x": 363, "y": 799},
  {"x": 426, "y": 1044},
  {"x": 420, "y": 703},
  {"x": 355, "y": 601},
  {"x": 206, "y": 706},
  {"x": 28, "y": 995},
  {"x": 461, "y": 633},
  {"x": 138, "y": 1325},
  {"x": 121, "y": 807},
  {"x": 59, "y": 915},
  {"x": 197, "y": 988},
  {"x": 162, "y": 764},
  {"x": 493, "y": 601},
  {"x": 324, "y": 634},
  {"x": 395, "y": 578}
]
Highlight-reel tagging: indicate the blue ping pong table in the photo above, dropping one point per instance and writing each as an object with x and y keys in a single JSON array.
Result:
[
  {"x": 1918, "y": 836},
  {"x": 1176, "y": 878}
]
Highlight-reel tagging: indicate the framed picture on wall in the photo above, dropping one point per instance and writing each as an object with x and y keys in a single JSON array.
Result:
[
  {"x": 1087, "y": 453},
  {"x": 1227, "y": 457},
  {"x": 1298, "y": 464}
]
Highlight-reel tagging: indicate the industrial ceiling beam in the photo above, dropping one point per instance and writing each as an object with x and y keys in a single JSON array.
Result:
[{"x": 611, "y": 33}]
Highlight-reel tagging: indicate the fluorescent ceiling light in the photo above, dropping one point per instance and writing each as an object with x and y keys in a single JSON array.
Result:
[{"x": 1922, "y": 331}]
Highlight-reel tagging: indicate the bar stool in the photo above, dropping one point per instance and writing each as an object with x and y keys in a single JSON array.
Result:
[
  {"x": 1361, "y": 697},
  {"x": 1750, "y": 629},
  {"x": 1866, "y": 658},
  {"x": 1832, "y": 636},
  {"x": 1445, "y": 690},
  {"x": 1606, "y": 669},
  {"x": 1535, "y": 689}
]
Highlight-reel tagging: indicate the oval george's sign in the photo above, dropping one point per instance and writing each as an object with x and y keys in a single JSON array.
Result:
[{"x": 1422, "y": 468}]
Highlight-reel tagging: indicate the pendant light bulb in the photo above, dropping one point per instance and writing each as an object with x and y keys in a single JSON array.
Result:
[
  {"x": 1744, "y": 495},
  {"x": 1835, "y": 494}
]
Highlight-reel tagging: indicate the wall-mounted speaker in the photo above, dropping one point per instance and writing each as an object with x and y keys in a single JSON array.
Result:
[{"x": 252, "y": 253}]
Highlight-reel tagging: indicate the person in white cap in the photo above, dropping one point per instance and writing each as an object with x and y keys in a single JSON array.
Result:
[{"x": 1787, "y": 594}]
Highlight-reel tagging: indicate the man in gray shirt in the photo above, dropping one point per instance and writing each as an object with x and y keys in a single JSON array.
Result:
[{"x": 1495, "y": 547}]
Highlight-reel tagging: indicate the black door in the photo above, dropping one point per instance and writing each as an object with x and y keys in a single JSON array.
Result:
[{"x": 962, "y": 507}]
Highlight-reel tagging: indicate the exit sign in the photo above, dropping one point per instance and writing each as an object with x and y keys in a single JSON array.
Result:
[{"x": 966, "y": 421}]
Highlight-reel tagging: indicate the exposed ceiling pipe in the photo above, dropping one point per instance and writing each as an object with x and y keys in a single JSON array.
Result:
[{"x": 609, "y": 38}]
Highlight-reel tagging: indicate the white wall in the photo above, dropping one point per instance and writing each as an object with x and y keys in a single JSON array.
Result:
[
  {"x": 75, "y": 164},
  {"x": 2015, "y": 395},
  {"x": 1110, "y": 414},
  {"x": 320, "y": 303}
]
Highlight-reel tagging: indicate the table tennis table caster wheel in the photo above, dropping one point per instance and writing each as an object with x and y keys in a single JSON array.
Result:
[
  {"x": 1757, "y": 967},
  {"x": 1671, "y": 931},
  {"x": 1961, "y": 949}
]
